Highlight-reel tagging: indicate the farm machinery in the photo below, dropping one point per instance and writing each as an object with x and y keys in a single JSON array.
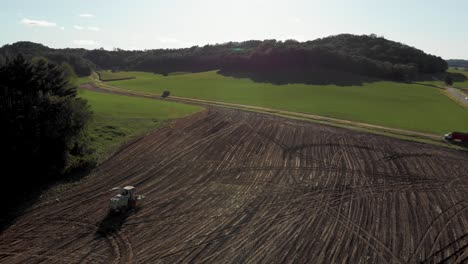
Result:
[
  {"x": 125, "y": 200},
  {"x": 456, "y": 136}
]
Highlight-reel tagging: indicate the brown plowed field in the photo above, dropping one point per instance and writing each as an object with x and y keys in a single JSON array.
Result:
[{"x": 227, "y": 186}]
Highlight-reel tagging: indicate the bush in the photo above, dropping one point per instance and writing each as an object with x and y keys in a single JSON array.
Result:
[
  {"x": 448, "y": 80},
  {"x": 165, "y": 94}
]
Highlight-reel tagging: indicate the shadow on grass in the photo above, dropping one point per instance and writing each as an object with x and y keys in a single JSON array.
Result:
[
  {"x": 315, "y": 77},
  {"x": 324, "y": 76},
  {"x": 440, "y": 77},
  {"x": 428, "y": 85},
  {"x": 463, "y": 144}
]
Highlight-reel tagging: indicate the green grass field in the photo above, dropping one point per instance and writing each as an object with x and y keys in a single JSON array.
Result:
[
  {"x": 109, "y": 76},
  {"x": 462, "y": 71},
  {"x": 460, "y": 84},
  {"x": 399, "y": 105},
  {"x": 82, "y": 80},
  {"x": 117, "y": 118}
]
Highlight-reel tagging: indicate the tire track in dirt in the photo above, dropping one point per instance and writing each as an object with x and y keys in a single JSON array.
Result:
[{"x": 228, "y": 186}]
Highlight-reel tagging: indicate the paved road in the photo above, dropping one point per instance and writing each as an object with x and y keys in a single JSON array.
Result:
[{"x": 459, "y": 95}]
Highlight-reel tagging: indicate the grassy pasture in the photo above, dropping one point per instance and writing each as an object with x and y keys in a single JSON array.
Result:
[
  {"x": 117, "y": 119},
  {"x": 111, "y": 76},
  {"x": 399, "y": 105},
  {"x": 460, "y": 84},
  {"x": 177, "y": 73},
  {"x": 462, "y": 71}
]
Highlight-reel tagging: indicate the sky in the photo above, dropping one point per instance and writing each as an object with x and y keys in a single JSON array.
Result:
[{"x": 436, "y": 27}]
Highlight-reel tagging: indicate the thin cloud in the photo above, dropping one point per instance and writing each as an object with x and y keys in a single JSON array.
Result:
[
  {"x": 78, "y": 27},
  {"x": 94, "y": 28},
  {"x": 37, "y": 23},
  {"x": 62, "y": 28},
  {"x": 85, "y": 42},
  {"x": 86, "y": 15}
]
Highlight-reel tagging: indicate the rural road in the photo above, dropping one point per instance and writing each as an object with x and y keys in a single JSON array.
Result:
[
  {"x": 230, "y": 186},
  {"x": 460, "y": 96}
]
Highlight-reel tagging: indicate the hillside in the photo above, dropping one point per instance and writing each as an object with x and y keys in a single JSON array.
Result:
[
  {"x": 29, "y": 50},
  {"x": 458, "y": 63},
  {"x": 369, "y": 56}
]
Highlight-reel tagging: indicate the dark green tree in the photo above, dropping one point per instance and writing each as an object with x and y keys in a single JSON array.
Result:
[
  {"x": 165, "y": 94},
  {"x": 448, "y": 80},
  {"x": 43, "y": 122}
]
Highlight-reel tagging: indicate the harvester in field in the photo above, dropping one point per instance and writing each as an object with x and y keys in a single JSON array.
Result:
[{"x": 125, "y": 200}]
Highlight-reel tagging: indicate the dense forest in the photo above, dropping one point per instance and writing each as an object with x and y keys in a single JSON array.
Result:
[
  {"x": 43, "y": 121},
  {"x": 366, "y": 55}
]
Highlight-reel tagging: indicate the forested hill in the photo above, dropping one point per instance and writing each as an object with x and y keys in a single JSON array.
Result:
[
  {"x": 383, "y": 50},
  {"x": 458, "y": 63},
  {"x": 29, "y": 50},
  {"x": 364, "y": 55}
]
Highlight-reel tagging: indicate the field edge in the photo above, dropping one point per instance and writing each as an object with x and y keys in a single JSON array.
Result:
[{"x": 408, "y": 135}]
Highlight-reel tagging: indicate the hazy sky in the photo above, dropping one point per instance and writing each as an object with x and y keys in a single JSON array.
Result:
[{"x": 438, "y": 27}]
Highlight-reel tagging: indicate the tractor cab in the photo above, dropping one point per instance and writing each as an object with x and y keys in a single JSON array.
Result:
[
  {"x": 448, "y": 136},
  {"x": 128, "y": 191},
  {"x": 125, "y": 200}
]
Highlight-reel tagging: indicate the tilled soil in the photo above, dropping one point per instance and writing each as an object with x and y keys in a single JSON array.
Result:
[{"x": 227, "y": 186}]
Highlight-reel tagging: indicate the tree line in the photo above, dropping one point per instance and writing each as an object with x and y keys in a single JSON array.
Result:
[
  {"x": 458, "y": 63},
  {"x": 367, "y": 55},
  {"x": 43, "y": 135}
]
